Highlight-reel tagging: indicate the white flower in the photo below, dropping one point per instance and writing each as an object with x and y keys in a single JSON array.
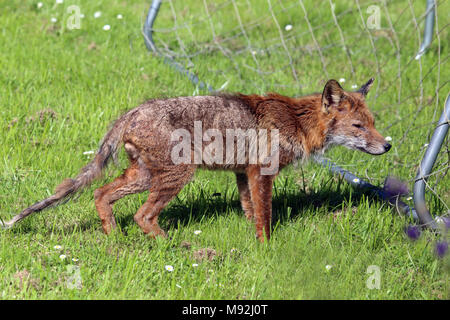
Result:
[
  {"x": 74, "y": 259},
  {"x": 106, "y": 27},
  {"x": 409, "y": 198},
  {"x": 59, "y": 1},
  {"x": 195, "y": 265},
  {"x": 57, "y": 247},
  {"x": 89, "y": 152},
  {"x": 62, "y": 257},
  {"x": 388, "y": 138},
  {"x": 97, "y": 14},
  {"x": 119, "y": 16},
  {"x": 328, "y": 267},
  {"x": 81, "y": 15},
  {"x": 288, "y": 27},
  {"x": 54, "y": 20},
  {"x": 354, "y": 86},
  {"x": 356, "y": 180},
  {"x": 39, "y": 5},
  {"x": 342, "y": 80},
  {"x": 197, "y": 232},
  {"x": 169, "y": 268}
]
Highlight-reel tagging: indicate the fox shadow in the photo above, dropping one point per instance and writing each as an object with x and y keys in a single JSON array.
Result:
[{"x": 286, "y": 206}]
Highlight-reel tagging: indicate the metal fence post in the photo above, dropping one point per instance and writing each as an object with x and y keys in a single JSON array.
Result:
[
  {"x": 148, "y": 26},
  {"x": 427, "y": 164},
  {"x": 429, "y": 27}
]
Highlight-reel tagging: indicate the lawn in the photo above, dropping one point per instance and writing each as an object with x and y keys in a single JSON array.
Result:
[{"x": 60, "y": 90}]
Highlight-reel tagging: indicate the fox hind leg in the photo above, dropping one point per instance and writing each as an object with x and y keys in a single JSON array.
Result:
[
  {"x": 135, "y": 179},
  {"x": 166, "y": 183}
]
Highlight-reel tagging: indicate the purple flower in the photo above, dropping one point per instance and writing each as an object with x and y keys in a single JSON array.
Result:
[
  {"x": 446, "y": 222},
  {"x": 441, "y": 248},
  {"x": 394, "y": 188},
  {"x": 413, "y": 232}
]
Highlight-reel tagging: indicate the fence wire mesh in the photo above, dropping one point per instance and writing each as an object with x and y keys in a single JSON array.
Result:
[{"x": 294, "y": 46}]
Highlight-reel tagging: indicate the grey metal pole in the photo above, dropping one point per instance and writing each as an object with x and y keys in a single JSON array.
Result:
[
  {"x": 429, "y": 27},
  {"x": 148, "y": 26},
  {"x": 427, "y": 165}
]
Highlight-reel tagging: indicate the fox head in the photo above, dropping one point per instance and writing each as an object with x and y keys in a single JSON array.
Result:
[{"x": 351, "y": 123}]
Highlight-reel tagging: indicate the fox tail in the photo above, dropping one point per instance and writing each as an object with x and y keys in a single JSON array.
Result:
[{"x": 89, "y": 173}]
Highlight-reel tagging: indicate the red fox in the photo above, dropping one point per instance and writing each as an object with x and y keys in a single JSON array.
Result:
[{"x": 164, "y": 162}]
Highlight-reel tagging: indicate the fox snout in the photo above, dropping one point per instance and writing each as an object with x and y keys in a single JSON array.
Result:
[{"x": 376, "y": 149}]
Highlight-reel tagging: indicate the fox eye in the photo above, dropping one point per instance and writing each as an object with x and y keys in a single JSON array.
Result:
[{"x": 357, "y": 125}]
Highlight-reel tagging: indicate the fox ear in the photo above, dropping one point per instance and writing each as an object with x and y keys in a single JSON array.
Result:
[
  {"x": 332, "y": 94},
  {"x": 366, "y": 87}
]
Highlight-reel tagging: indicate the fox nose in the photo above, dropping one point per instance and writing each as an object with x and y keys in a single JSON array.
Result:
[{"x": 387, "y": 147}]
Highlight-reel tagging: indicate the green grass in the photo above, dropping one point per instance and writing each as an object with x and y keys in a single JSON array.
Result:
[{"x": 60, "y": 89}]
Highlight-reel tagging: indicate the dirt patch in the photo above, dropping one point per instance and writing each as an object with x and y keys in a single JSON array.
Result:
[
  {"x": 92, "y": 46},
  {"x": 205, "y": 254},
  {"x": 185, "y": 245},
  {"x": 24, "y": 278},
  {"x": 42, "y": 116}
]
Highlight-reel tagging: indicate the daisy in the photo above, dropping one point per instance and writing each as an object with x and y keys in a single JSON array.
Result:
[
  {"x": 57, "y": 247},
  {"x": 97, "y": 14},
  {"x": 328, "y": 267},
  {"x": 169, "y": 268},
  {"x": 54, "y": 20},
  {"x": 106, "y": 27},
  {"x": 354, "y": 86},
  {"x": 62, "y": 257},
  {"x": 39, "y": 5},
  {"x": 197, "y": 232},
  {"x": 89, "y": 152},
  {"x": 288, "y": 27},
  {"x": 356, "y": 180},
  {"x": 119, "y": 16},
  {"x": 59, "y": 1},
  {"x": 388, "y": 138},
  {"x": 195, "y": 265},
  {"x": 341, "y": 80}
]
